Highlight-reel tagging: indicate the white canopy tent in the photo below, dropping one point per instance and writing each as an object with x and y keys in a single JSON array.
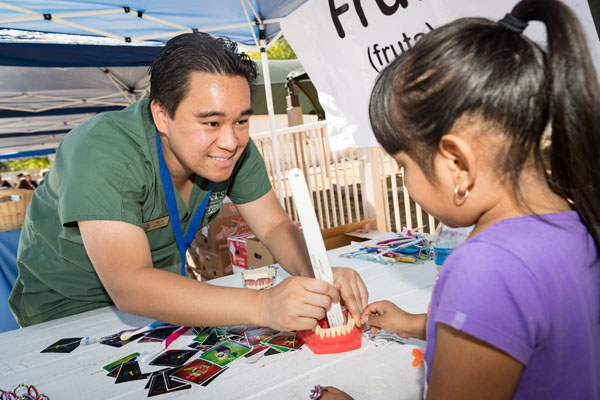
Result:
[{"x": 38, "y": 106}]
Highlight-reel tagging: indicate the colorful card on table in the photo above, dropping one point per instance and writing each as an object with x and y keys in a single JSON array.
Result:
[
  {"x": 212, "y": 378},
  {"x": 255, "y": 350},
  {"x": 199, "y": 329},
  {"x": 157, "y": 385},
  {"x": 161, "y": 384},
  {"x": 285, "y": 341},
  {"x": 238, "y": 339},
  {"x": 212, "y": 339},
  {"x": 198, "y": 371},
  {"x": 199, "y": 346},
  {"x": 202, "y": 336},
  {"x": 114, "y": 372},
  {"x": 383, "y": 337},
  {"x": 146, "y": 339},
  {"x": 272, "y": 351},
  {"x": 255, "y": 354},
  {"x": 241, "y": 329},
  {"x": 120, "y": 361},
  {"x": 130, "y": 371},
  {"x": 220, "y": 332},
  {"x": 225, "y": 352},
  {"x": 174, "y": 384},
  {"x": 212, "y": 336},
  {"x": 159, "y": 372},
  {"x": 160, "y": 333},
  {"x": 173, "y": 358},
  {"x": 256, "y": 336},
  {"x": 63, "y": 346}
]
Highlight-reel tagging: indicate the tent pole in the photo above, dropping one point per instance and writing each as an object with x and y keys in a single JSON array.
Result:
[{"x": 269, "y": 95}]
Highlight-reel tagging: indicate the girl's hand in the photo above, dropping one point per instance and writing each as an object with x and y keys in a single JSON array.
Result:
[
  {"x": 331, "y": 393},
  {"x": 388, "y": 316}
]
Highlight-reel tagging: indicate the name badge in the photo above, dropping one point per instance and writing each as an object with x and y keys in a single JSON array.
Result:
[{"x": 156, "y": 223}]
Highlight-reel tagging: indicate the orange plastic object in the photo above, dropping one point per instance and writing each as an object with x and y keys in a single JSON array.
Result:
[
  {"x": 418, "y": 357},
  {"x": 329, "y": 345}
]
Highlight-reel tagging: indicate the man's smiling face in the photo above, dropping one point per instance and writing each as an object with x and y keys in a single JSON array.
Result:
[{"x": 210, "y": 129}]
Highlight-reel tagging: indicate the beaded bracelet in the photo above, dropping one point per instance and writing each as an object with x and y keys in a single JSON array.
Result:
[
  {"x": 23, "y": 392},
  {"x": 7, "y": 395},
  {"x": 317, "y": 392},
  {"x": 20, "y": 390}
]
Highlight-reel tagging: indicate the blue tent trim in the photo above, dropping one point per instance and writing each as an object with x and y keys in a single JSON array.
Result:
[
  {"x": 58, "y": 111},
  {"x": 75, "y": 55},
  {"x": 41, "y": 133},
  {"x": 33, "y": 153}
]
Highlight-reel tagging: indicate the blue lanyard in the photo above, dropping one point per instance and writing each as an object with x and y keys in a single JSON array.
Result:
[{"x": 182, "y": 243}]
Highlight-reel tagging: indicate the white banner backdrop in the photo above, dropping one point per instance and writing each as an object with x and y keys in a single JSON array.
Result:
[{"x": 343, "y": 45}]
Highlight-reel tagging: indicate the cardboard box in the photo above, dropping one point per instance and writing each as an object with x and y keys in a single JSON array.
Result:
[
  {"x": 367, "y": 234},
  {"x": 237, "y": 251},
  {"x": 210, "y": 265},
  {"x": 13, "y": 205},
  {"x": 213, "y": 237},
  {"x": 246, "y": 251},
  {"x": 337, "y": 236}
]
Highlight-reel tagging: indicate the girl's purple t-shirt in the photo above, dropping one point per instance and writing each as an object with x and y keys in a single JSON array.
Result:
[{"x": 530, "y": 288}]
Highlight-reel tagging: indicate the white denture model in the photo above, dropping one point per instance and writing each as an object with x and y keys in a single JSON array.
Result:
[{"x": 259, "y": 278}]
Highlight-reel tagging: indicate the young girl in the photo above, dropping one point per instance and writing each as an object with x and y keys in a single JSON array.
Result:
[{"x": 496, "y": 131}]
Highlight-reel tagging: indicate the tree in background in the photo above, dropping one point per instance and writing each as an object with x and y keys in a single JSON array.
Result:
[
  {"x": 25, "y": 164},
  {"x": 280, "y": 50}
]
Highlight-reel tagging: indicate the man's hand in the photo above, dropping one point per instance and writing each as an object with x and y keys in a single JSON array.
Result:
[
  {"x": 388, "y": 316},
  {"x": 353, "y": 291},
  {"x": 297, "y": 303}
]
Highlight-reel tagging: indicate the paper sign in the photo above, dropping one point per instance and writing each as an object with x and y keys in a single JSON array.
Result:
[{"x": 343, "y": 44}]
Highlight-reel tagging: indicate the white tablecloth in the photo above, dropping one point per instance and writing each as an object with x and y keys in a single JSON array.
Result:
[{"x": 367, "y": 373}]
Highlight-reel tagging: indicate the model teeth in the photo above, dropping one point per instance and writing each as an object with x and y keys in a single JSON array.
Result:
[
  {"x": 337, "y": 331},
  {"x": 259, "y": 279},
  {"x": 259, "y": 285}
]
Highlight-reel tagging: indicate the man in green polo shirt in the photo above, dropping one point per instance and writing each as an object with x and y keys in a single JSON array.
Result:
[{"x": 99, "y": 230}]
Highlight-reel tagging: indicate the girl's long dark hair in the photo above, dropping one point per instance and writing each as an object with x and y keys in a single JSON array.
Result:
[{"x": 475, "y": 67}]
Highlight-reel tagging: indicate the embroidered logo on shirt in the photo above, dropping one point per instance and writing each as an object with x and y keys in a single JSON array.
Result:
[{"x": 156, "y": 223}]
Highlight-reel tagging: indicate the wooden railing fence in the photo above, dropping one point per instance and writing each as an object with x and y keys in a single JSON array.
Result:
[{"x": 347, "y": 185}]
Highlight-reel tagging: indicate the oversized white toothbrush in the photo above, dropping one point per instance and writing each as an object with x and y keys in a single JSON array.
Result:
[{"x": 313, "y": 239}]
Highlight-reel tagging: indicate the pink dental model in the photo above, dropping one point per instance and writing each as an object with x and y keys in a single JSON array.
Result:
[{"x": 260, "y": 278}]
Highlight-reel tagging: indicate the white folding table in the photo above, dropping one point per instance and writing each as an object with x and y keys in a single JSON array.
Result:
[{"x": 371, "y": 372}]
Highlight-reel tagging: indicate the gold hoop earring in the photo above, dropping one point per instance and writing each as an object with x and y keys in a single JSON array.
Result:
[{"x": 458, "y": 198}]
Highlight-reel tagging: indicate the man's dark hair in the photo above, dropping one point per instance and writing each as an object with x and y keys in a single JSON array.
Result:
[{"x": 190, "y": 52}]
